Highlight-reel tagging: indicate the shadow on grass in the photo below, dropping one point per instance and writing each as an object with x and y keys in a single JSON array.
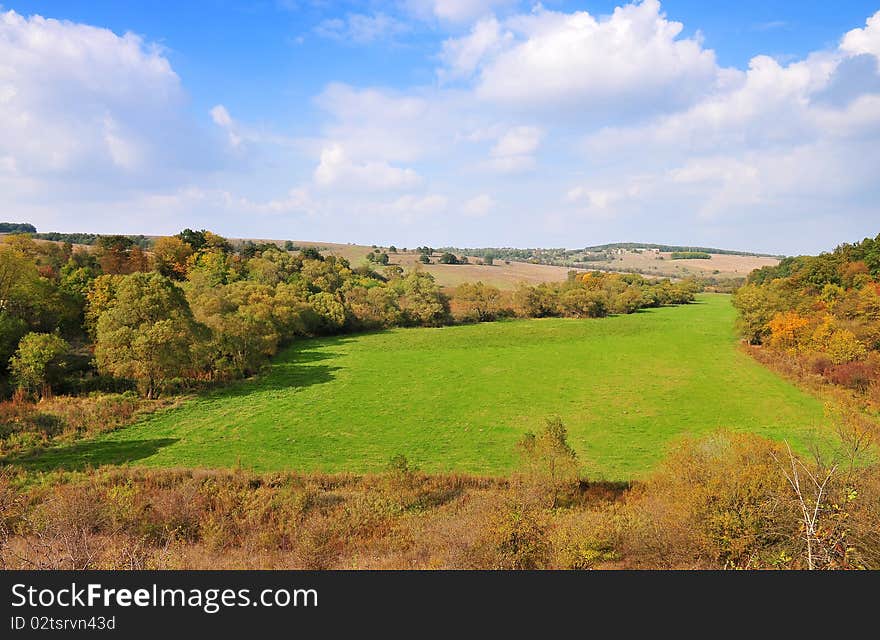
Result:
[
  {"x": 297, "y": 366},
  {"x": 81, "y": 455}
]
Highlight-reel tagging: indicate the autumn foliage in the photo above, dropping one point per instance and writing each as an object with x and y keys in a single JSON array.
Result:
[{"x": 823, "y": 311}]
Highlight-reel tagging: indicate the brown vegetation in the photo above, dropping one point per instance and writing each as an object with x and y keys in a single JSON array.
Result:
[{"x": 722, "y": 502}]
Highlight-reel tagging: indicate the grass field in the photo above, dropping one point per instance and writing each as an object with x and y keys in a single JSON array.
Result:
[{"x": 458, "y": 398}]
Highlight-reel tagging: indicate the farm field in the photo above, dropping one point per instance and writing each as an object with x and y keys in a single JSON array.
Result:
[
  {"x": 501, "y": 275},
  {"x": 719, "y": 265},
  {"x": 458, "y": 398}
]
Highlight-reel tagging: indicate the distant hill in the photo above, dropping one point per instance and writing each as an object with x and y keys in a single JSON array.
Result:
[{"x": 670, "y": 248}]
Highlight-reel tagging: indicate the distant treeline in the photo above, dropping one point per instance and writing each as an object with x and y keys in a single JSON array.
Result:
[
  {"x": 675, "y": 248},
  {"x": 17, "y": 227},
  {"x": 691, "y": 255},
  {"x": 88, "y": 238},
  {"x": 536, "y": 256}
]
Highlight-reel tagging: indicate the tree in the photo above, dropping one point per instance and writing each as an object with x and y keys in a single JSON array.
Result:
[
  {"x": 330, "y": 310},
  {"x": 448, "y": 258},
  {"x": 425, "y": 258},
  {"x": 11, "y": 331},
  {"x": 536, "y": 302},
  {"x": 422, "y": 301},
  {"x": 38, "y": 362},
  {"x": 148, "y": 333},
  {"x": 195, "y": 239},
  {"x": 171, "y": 255},
  {"x": 119, "y": 255},
  {"x": 373, "y": 307},
  {"x": 584, "y": 303},
  {"x": 478, "y": 301},
  {"x": 550, "y": 464}
]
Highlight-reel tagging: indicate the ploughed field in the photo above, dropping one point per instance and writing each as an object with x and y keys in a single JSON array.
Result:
[{"x": 459, "y": 398}]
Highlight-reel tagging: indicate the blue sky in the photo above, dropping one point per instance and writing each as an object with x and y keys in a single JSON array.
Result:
[{"x": 446, "y": 122}]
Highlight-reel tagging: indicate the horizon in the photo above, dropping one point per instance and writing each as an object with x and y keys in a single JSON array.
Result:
[{"x": 460, "y": 123}]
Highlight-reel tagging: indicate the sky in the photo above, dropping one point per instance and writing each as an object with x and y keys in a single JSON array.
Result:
[{"x": 468, "y": 123}]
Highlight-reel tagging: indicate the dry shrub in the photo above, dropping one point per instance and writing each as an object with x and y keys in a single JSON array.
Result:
[
  {"x": 25, "y": 425},
  {"x": 585, "y": 539},
  {"x": 720, "y": 502},
  {"x": 864, "y": 522},
  {"x": 66, "y": 527},
  {"x": 857, "y": 376},
  {"x": 515, "y": 537}
]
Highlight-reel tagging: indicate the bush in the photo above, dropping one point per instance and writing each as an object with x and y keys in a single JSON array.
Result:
[{"x": 853, "y": 375}]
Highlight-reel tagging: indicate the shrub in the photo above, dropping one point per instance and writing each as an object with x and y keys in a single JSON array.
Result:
[{"x": 853, "y": 375}]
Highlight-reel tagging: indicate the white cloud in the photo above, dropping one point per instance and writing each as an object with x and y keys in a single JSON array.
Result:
[
  {"x": 514, "y": 150},
  {"x": 518, "y": 141},
  {"x": 221, "y": 116},
  {"x": 337, "y": 170},
  {"x": 635, "y": 57},
  {"x": 361, "y": 28},
  {"x": 864, "y": 40},
  {"x": 82, "y": 102},
  {"x": 374, "y": 123},
  {"x": 479, "y": 206},
  {"x": 455, "y": 10},
  {"x": 463, "y": 55}
]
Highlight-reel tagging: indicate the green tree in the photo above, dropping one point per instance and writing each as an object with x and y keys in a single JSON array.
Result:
[
  {"x": 422, "y": 301},
  {"x": 39, "y": 363},
  {"x": 330, "y": 310},
  {"x": 148, "y": 333}
]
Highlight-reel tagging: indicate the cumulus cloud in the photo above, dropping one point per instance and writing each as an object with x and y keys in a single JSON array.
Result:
[
  {"x": 81, "y": 102},
  {"x": 574, "y": 60},
  {"x": 865, "y": 39},
  {"x": 337, "y": 170}
]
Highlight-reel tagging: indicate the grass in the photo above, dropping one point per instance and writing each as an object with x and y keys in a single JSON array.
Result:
[{"x": 458, "y": 398}]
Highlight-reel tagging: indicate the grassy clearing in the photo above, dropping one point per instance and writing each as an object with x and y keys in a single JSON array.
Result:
[{"x": 458, "y": 399}]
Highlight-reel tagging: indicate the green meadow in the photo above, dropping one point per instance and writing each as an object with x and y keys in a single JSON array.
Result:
[{"x": 458, "y": 398}]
